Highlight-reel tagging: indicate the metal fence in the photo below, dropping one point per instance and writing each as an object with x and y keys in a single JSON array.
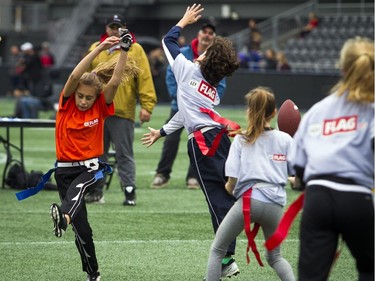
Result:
[{"x": 24, "y": 17}]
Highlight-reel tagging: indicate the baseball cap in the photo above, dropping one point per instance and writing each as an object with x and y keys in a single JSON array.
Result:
[
  {"x": 116, "y": 19},
  {"x": 26, "y": 46},
  {"x": 208, "y": 25}
]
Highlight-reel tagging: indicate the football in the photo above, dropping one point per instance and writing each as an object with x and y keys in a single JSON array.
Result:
[{"x": 288, "y": 117}]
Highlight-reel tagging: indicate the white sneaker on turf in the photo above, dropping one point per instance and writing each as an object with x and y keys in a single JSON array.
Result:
[
  {"x": 230, "y": 269},
  {"x": 192, "y": 183},
  {"x": 159, "y": 181}
]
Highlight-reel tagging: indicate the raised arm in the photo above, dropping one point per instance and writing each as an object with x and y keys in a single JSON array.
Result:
[
  {"x": 170, "y": 41},
  {"x": 110, "y": 89},
  {"x": 191, "y": 15},
  {"x": 83, "y": 65}
]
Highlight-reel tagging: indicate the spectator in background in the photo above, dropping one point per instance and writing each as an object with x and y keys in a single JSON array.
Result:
[
  {"x": 251, "y": 60},
  {"x": 256, "y": 41},
  {"x": 182, "y": 41},
  {"x": 48, "y": 61},
  {"x": 252, "y": 56},
  {"x": 46, "y": 57},
  {"x": 119, "y": 129},
  {"x": 198, "y": 46},
  {"x": 253, "y": 26},
  {"x": 282, "y": 62},
  {"x": 158, "y": 66},
  {"x": 17, "y": 82},
  {"x": 311, "y": 25},
  {"x": 29, "y": 104},
  {"x": 270, "y": 60},
  {"x": 255, "y": 38}
]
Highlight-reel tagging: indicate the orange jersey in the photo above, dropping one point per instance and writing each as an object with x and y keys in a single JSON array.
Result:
[{"x": 79, "y": 134}]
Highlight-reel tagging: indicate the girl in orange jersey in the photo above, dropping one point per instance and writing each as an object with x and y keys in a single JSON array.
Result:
[{"x": 84, "y": 104}]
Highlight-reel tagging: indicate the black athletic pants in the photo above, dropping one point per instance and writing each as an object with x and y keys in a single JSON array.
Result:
[
  {"x": 328, "y": 213},
  {"x": 211, "y": 177},
  {"x": 73, "y": 183}
]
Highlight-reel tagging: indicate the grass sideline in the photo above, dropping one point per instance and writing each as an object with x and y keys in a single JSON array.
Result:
[{"x": 166, "y": 237}]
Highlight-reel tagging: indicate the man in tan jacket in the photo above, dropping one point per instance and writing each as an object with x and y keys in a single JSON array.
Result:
[{"x": 119, "y": 129}]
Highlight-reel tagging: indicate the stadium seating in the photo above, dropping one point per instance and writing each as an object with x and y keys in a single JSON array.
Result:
[{"x": 319, "y": 50}]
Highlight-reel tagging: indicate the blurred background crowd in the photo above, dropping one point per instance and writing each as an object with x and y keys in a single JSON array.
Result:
[{"x": 42, "y": 40}]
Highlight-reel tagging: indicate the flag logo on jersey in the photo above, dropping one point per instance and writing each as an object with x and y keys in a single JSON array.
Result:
[
  {"x": 207, "y": 90},
  {"x": 91, "y": 123},
  {"x": 278, "y": 157},
  {"x": 340, "y": 125}
]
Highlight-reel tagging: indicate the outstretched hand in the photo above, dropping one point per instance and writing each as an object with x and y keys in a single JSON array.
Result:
[
  {"x": 191, "y": 15},
  {"x": 150, "y": 138}
]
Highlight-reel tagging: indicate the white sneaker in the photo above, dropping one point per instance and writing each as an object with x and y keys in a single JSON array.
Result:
[
  {"x": 230, "y": 269},
  {"x": 192, "y": 183},
  {"x": 159, "y": 181}
]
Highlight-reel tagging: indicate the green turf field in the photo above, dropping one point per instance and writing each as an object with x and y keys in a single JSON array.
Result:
[{"x": 166, "y": 237}]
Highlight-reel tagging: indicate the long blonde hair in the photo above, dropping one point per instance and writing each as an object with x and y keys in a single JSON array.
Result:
[
  {"x": 357, "y": 64},
  {"x": 261, "y": 107},
  {"x": 101, "y": 74}
]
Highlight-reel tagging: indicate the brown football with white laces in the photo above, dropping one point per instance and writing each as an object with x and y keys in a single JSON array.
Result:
[{"x": 288, "y": 117}]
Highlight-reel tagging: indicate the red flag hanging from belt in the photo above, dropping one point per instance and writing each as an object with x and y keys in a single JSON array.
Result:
[
  {"x": 286, "y": 222},
  {"x": 246, "y": 210},
  {"x": 198, "y": 135}
]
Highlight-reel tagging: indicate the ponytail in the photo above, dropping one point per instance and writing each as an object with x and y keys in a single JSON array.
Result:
[
  {"x": 261, "y": 107},
  {"x": 104, "y": 71},
  {"x": 357, "y": 64}
]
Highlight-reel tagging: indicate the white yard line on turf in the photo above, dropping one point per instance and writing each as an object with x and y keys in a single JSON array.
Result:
[
  {"x": 7, "y": 212},
  {"x": 5, "y": 243}
]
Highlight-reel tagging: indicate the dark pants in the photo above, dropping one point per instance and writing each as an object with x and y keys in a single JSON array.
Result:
[
  {"x": 211, "y": 177},
  {"x": 169, "y": 153},
  {"x": 119, "y": 132},
  {"x": 327, "y": 214},
  {"x": 28, "y": 107},
  {"x": 73, "y": 184}
]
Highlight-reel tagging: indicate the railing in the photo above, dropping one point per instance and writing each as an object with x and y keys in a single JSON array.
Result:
[
  {"x": 362, "y": 8},
  {"x": 5, "y": 16},
  {"x": 276, "y": 30},
  {"x": 70, "y": 31},
  {"x": 24, "y": 17}
]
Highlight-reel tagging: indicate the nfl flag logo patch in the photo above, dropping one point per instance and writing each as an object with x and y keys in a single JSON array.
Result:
[{"x": 207, "y": 90}]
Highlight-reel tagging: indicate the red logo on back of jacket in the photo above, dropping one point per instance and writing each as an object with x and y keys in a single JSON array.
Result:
[
  {"x": 207, "y": 90},
  {"x": 340, "y": 125}
]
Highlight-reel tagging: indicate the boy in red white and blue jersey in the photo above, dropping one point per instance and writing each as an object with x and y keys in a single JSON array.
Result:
[{"x": 208, "y": 145}]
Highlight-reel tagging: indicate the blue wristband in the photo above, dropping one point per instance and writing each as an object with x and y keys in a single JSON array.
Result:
[{"x": 162, "y": 132}]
